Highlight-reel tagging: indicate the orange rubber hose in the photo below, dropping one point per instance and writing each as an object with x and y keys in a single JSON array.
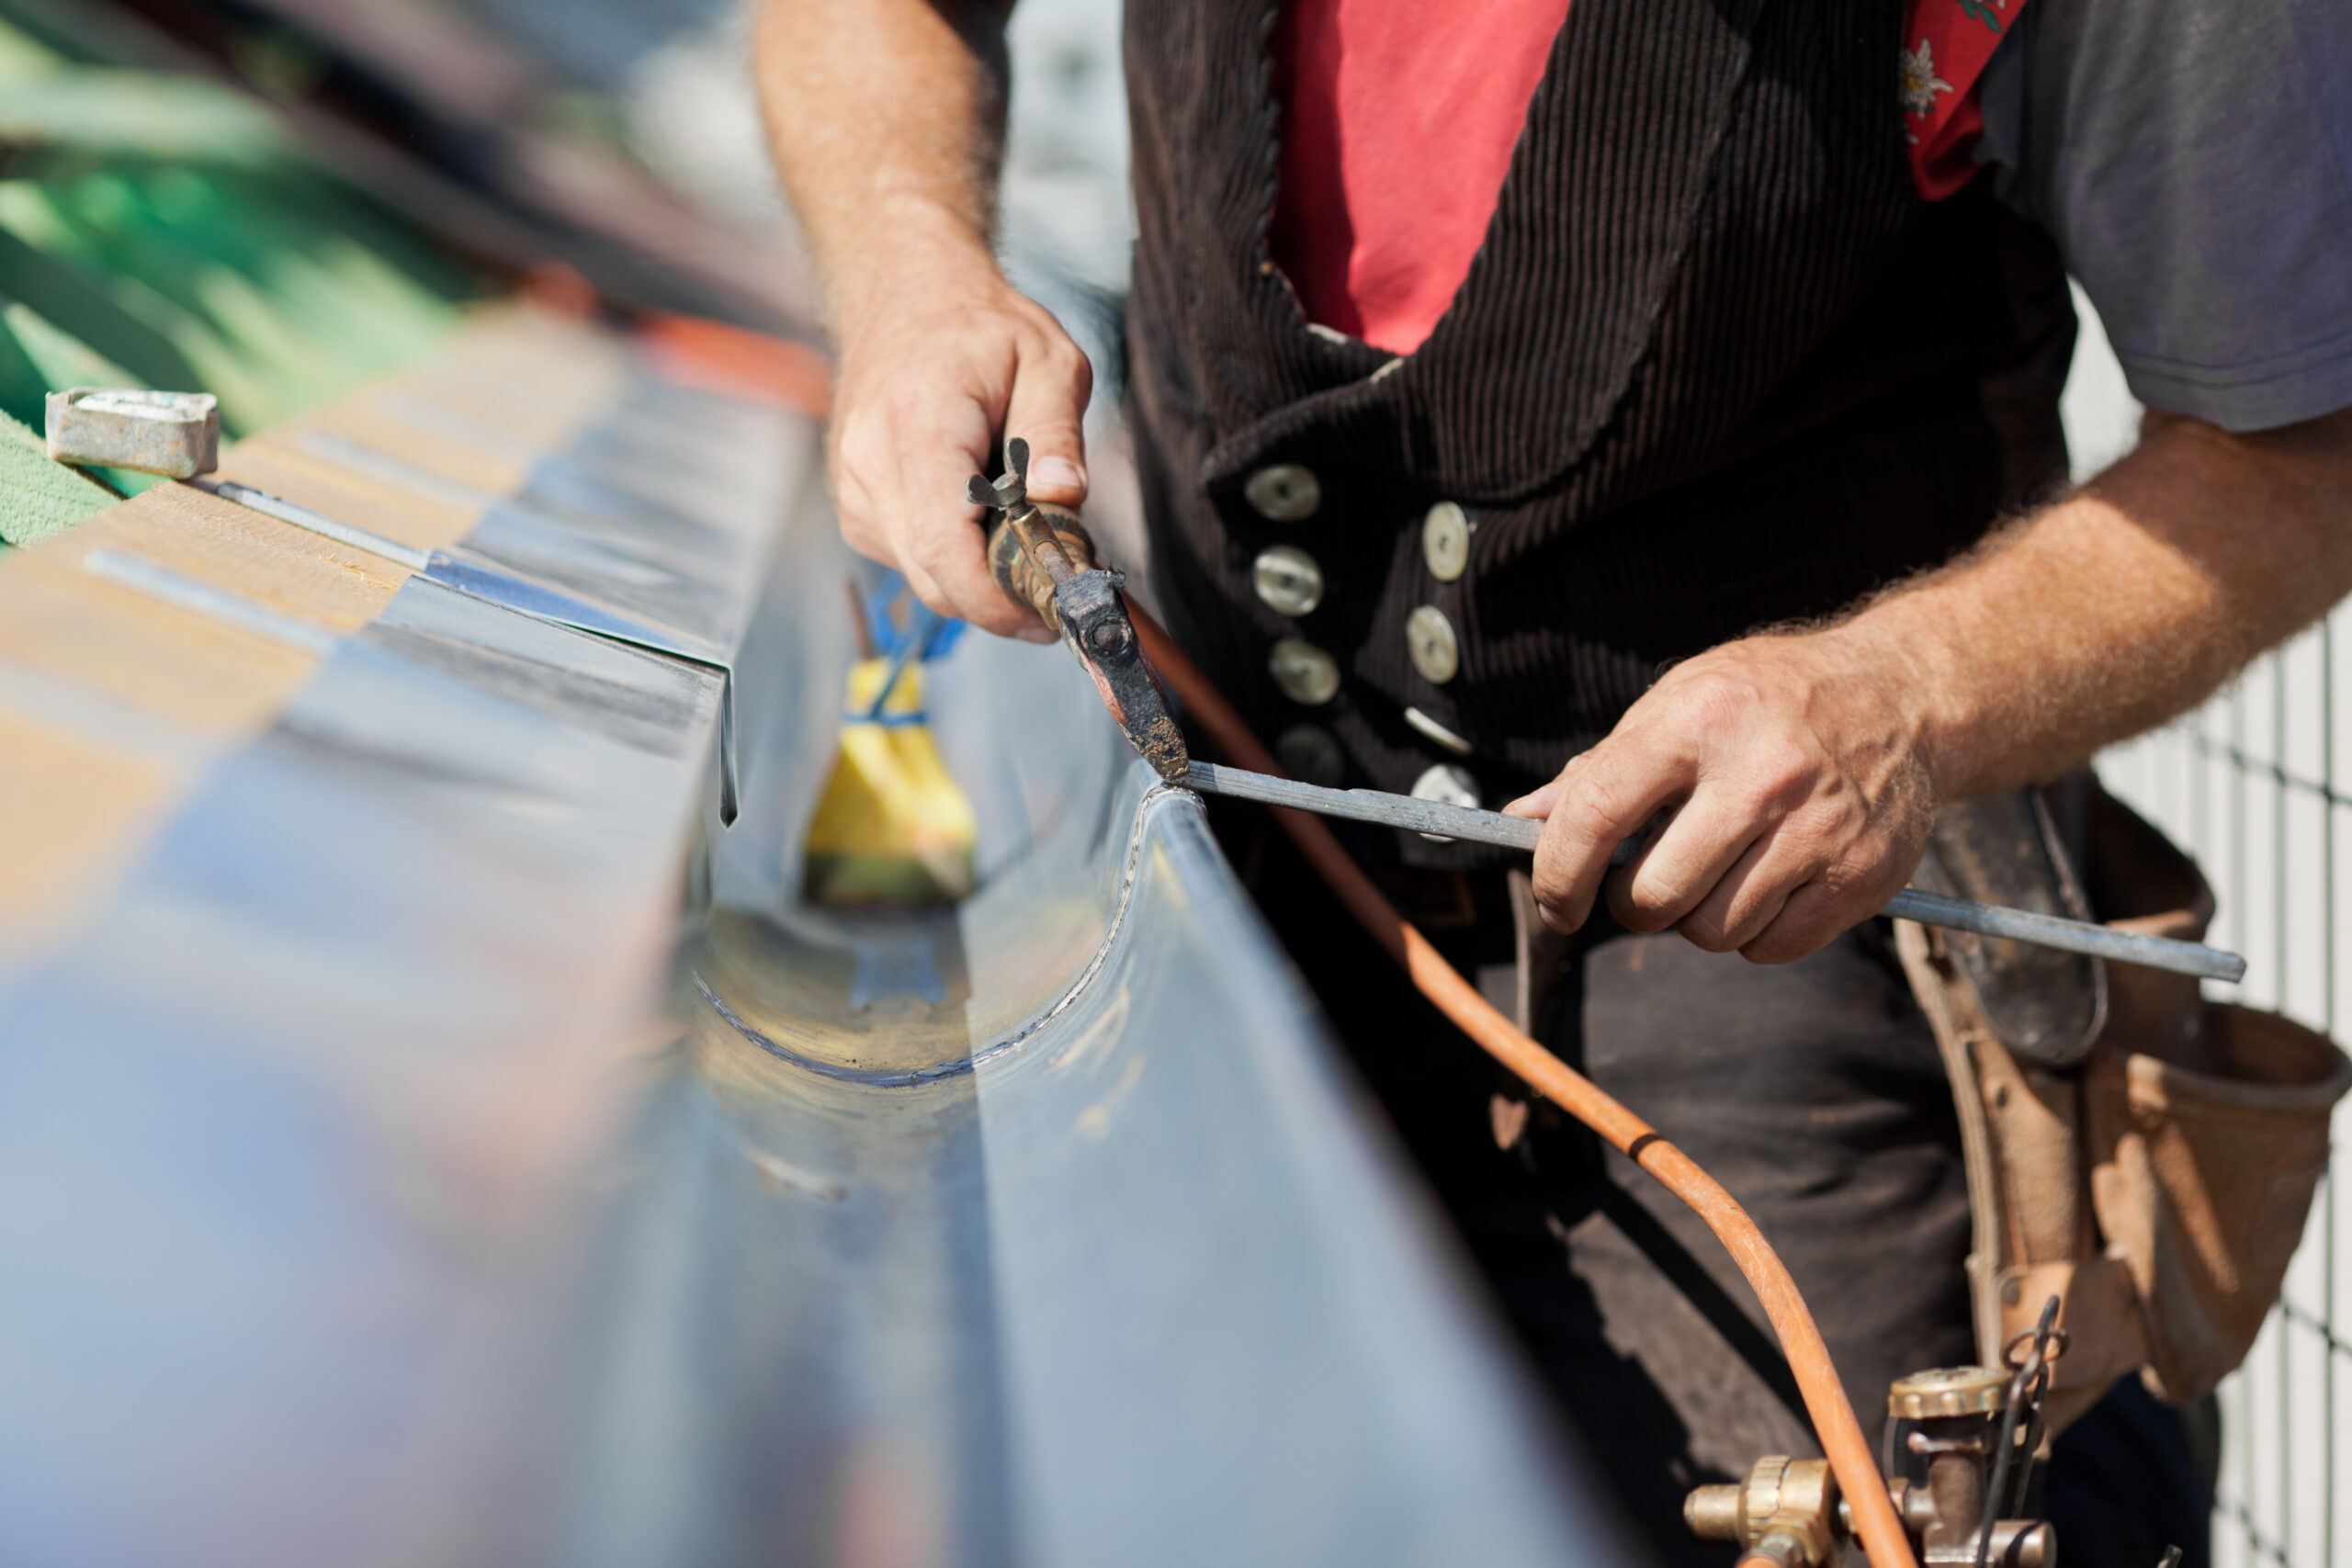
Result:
[{"x": 1841, "y": 1438}]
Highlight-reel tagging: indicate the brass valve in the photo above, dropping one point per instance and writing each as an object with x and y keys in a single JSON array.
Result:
[{"x": 1787, "y": 1513}]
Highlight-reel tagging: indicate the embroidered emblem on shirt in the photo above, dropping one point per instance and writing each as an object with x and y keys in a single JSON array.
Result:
[
  {"x": 1942, "y": 119},
  {"x": 1984, "y": 12},
  {"x": 1920, "y": 82}
]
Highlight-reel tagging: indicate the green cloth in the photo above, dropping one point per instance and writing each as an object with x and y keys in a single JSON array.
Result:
[{"x": 39, "y": 498}]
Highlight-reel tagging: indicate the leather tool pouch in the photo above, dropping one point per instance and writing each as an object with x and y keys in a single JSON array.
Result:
[{"x": 2146, "y": 1156}]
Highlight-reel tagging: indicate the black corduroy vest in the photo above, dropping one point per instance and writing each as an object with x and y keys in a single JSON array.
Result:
[{"x": 1715, "y": 365}]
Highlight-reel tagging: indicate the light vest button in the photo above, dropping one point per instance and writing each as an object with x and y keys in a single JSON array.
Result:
[
  {"x": 1311, "y": 754},
  {"x": 1445, "y": 541},
  {"x": 1288, "y": 580},
  {"x": 1431, "y": 729},
  {"x": 1448, "y": 785},
  {"x": 1429, "y": 638},
  {"x": 1283, "y": 492},
  {"x": 1307, "y": 674}
]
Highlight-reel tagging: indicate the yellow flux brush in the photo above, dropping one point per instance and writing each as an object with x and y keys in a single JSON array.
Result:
[{"x": 892, "y": 828}]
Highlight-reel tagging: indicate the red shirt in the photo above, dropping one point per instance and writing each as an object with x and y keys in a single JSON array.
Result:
[{"x": 1399, "y": 126}]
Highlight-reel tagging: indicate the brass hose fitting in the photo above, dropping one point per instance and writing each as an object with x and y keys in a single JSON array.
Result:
[
  {"x": 1785, "y": 1513},
  {"x": 1788, "y": 1513}
]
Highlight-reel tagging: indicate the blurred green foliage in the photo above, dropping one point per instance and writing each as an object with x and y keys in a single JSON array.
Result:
[{"x": 164, "y": 231}]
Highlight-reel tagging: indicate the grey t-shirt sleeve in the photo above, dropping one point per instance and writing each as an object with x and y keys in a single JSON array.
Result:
[{"x": 2193, "y": 159}]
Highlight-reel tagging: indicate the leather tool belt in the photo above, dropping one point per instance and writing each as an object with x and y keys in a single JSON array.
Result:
[{"x": 2146, "y": 1156}]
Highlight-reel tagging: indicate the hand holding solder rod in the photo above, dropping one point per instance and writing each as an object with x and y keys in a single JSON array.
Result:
[{"x": 1910, "y": 903}]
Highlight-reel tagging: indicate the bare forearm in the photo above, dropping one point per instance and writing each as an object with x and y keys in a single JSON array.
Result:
[
  {"x": 1803, "y": 772},
  {"x": 2126, "y": 603},
  {"x": 886, "y": 117}
]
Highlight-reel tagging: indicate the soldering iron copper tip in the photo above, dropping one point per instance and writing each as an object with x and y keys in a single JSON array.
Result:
[{"x": 1162, "y": 745}]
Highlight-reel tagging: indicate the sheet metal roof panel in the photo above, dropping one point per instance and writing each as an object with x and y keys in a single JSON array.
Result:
[{"x": 304, "y": 1111}]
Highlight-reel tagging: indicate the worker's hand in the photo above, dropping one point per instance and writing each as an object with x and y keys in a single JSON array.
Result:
[
  {"x": 932, "y": 373},
  {"x": 1799, "y": 790}
]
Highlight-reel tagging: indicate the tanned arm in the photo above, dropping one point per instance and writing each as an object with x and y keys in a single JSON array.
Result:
[
  {"x": 1804, "y": 769},
  {"x": 886, "y": 117}
]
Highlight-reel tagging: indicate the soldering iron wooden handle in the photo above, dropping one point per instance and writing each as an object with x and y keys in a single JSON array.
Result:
[
  {"x": 1018, "y": 571},
  {"x": 1842, "y": 1442}
]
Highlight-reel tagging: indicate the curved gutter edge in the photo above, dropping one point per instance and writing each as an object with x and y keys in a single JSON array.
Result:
[{"x": 963, "y": 1066}]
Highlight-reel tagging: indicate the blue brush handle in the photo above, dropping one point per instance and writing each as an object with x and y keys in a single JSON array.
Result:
[{"x": 922, "y": 625}]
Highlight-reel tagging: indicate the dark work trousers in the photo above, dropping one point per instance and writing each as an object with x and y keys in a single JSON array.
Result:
[{"x": 1814, "y": 1091}]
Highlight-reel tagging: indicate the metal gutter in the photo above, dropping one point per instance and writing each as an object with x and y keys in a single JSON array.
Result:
[{"x": 396, "y": 1174}]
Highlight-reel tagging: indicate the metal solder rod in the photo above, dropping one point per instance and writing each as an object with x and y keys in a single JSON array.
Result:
[{"x": 1911, "y": 904}]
